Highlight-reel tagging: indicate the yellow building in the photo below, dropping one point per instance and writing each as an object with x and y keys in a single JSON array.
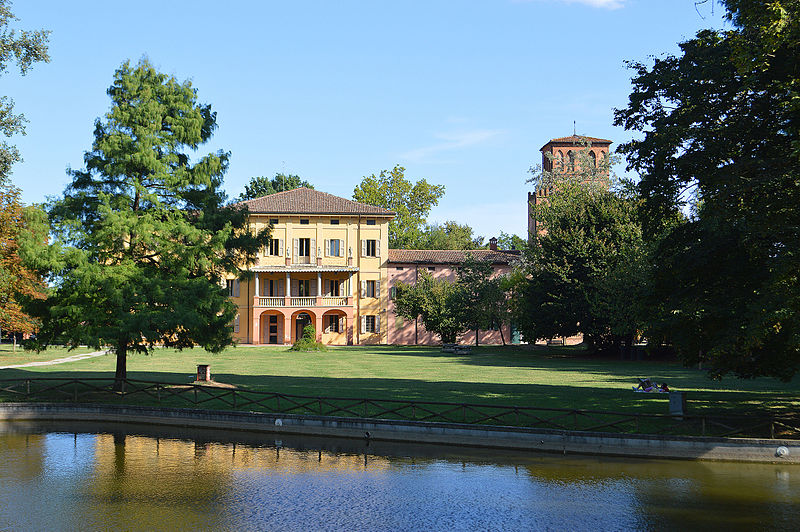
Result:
[{"x": 325, "y": 266}]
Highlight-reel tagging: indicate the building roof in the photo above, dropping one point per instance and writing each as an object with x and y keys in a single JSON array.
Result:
[
  {"x": 575, "y": 140},
  {"x": 451, "y": 256},
  {"x": 310, "y": 201}
]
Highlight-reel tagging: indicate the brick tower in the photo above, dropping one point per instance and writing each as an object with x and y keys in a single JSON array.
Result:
[{"x": 561, "y": 156}]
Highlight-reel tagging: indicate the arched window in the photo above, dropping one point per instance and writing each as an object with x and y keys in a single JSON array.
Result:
[
  {"x": 592, "y": 159},
  {"x": 571, "y": 156},
  {"x": 559, "y": 161}
]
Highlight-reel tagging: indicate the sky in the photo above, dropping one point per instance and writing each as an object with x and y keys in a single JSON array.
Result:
[{"x": 460, "y": 93}]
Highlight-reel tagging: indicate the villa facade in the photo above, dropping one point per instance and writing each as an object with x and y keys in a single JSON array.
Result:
[{"x": 329, "y": 265}]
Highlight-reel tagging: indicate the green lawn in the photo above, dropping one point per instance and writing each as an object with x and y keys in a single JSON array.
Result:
[
  {"x": 9, "y": 356},
  {"x": 521, "y": 376}
]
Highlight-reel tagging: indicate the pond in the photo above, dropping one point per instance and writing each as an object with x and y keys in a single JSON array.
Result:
[{"x": 90, "y": 477}]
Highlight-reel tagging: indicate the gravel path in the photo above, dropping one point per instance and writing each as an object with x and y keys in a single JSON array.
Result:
[{"x": 64, "y": 360}]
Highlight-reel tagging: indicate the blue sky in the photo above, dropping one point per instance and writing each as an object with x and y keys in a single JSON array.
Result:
[{"x": 462, "y": 93}]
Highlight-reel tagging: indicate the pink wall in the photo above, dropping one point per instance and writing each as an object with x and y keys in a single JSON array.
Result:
[{"x": 406, "y": 332}]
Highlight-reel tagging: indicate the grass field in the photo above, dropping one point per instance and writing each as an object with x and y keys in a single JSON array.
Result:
[
  {"x": 521, "y": 376},
  {"x": 9, "y": 356}
]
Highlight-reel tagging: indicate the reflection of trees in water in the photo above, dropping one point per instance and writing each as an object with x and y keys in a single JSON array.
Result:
[{"x": 22, "y": 455}]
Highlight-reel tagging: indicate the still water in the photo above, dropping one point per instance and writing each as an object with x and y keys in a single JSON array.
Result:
[{"x": 110, "y": 477}]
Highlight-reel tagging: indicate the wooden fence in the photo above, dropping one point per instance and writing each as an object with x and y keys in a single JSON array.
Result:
[{"x": 138, "y": 392}]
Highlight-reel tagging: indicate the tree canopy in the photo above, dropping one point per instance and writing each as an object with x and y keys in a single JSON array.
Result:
[
  {"x": 143, "y": 239},
  {"x": 264, "y": 186},
  {"x": 411, "y": 202},
  {"x": 720, "y": 126},
  {"x": 448, "y": 235},
  {"x": 24, "y": 48}
]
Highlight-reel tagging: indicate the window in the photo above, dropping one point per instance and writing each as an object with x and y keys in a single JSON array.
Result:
[
  {"x": 432, "y": 268},
  {"x": 592, "y": 159},
  {"x": 274, "y": 247},
  {"x": 232, "y": 286},
  {"x": 236, "y": 324},
  {"x": 333, "y": 247},
  {"x": 304, "y": 288},
  {"x": 370, "y": 324},
  {"x": 372, "y": 289},
  {"x": 370, "y": 222},
  {"x": 393, "y": 293},
  {"x": 334, "y": 288},
  {"x": 399, "y": 268},
  {"x": 304, "y": 221},
  {"x": 333, "y": 324},
  {"x": 369, "y": 248},
  {"x": 273, "y": 221},
  {"x": 571, "y": 155},
  {"x": 305, "y": 247},
  {"x": 334, "y": 221}
]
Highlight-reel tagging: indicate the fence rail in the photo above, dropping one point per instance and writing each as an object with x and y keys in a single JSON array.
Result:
[{"x": 132, "y": 391}]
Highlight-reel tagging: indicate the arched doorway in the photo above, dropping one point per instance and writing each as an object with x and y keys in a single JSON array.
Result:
[
  {"x": 272, "y": 327},
  {"x": 302, "y": 319}
]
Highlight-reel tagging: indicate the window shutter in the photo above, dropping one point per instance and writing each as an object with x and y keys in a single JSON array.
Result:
[
  {"x": 280, "y": 247},
  {"x": 377, "y": 324},
  {"x": 281, "y": 288},
  {"x": 312, "y": 288},
  {"x": 341, "y": 288},
  {"x": 236, "y": 324},
  {"x": 363, "y": 324},
  {"x": 296, "y": 249},
  {"x": 313, "y": 251},
  {"x": 327, "y": 251},
  {"x": 342, "y": 325},
  {"x": 236, "y": 288},
  {"x": 377, "y": 248},
  {"x": 363, "y": 248},
  {"x": 363, "y": 289},
  {"x": 266, "y": 250},
  {"x": 295, "y": 288},
  {"x": 341, "y": 248},
  {"x": 377, "y": 288}
]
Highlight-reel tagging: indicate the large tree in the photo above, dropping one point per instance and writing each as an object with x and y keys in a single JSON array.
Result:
[
  {"x": 23, "y": 48},
  {"x": 720, "y": 131},
  {"x": 264, "y": 186},
  {"x": 17, "y": 282},
  {"x": 580, "y": 267},
  {"x": 411, "y": 203},
  {"x": 143, "y": 239},
  {"x": 448, "y": 235},
  {"x": 437, "y": 302}
]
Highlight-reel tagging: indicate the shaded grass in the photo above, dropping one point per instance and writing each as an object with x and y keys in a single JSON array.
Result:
[{"x": 520, "y": 376}]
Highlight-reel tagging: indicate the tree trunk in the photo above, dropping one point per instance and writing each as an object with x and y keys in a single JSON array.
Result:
[
  {"x": 502, "y": 336},
  {"x": 14, "y": 349},
  {"x": 477, "y": 332},
  {"x": 121, "y": 372}
]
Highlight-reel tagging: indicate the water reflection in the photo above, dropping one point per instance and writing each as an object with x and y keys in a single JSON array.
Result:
[{"x": 71, "y": 477}]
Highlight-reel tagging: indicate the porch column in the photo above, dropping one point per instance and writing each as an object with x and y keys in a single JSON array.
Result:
[
  {"x": 287, "y": 329},
  {"x": 319, "y": 289},
  {"x": 350, "y": 289},
  {"x": 256, "y": 328},
  {"x": 258, "y": 292},
  {"x": 288, "y": 293},
  {"x": 319, "y": 326}
]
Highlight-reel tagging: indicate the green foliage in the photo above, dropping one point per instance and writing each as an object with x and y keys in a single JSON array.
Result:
[
  {"x": 448, "y": 235},
  {"x": 142, "y": 237},
  {"x": 587, "y": 270},
  {"x": 23, "y": 48},
  {"x": 411, "y": 203},
  {"x": 437, "y": 302},
  {"x": 308, "y": 342},
  {"x": 510, "y": 241},
  {"x": 720, "y": 131},
  {"x": 264, "y": 186}
]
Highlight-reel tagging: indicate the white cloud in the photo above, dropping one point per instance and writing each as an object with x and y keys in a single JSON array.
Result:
[
  {"x": 603, "y": 4},
  {"x": 451, "y": 141}
]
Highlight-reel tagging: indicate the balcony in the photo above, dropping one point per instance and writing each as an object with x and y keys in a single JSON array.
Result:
[{"x": 272, "y": 302}]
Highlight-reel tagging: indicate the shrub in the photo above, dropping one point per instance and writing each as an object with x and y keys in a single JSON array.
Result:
[{"x": 308, "y": 342}]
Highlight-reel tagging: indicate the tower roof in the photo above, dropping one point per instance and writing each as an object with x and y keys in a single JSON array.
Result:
[
  {"x": 576, "y": 140},
  {"x": 309, "y": 201}
]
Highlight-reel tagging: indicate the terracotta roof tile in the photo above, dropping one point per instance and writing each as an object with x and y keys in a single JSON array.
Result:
[
  {"x": 575, "y": 140},
  {"x": 451, "y": 256},
  {"x": 310, "y": 201}
]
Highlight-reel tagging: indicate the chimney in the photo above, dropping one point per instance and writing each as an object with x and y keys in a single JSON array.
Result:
[{"x": 493, "y": 244}]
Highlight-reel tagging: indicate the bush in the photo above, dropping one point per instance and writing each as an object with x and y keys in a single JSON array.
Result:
[{"x": 308, "y": 342}]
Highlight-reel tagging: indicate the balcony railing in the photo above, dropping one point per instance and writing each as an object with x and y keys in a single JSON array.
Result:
[
  {"x": 303, "y": 301},
  {"x": 262, "y": 301},
  {"x": 271, "y": 302}
]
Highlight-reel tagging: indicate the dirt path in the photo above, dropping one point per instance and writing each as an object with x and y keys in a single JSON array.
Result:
[{"x": 63, "y": 360}]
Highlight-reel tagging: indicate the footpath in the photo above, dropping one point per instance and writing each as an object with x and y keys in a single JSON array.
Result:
[{"x": 63, "y": 360}]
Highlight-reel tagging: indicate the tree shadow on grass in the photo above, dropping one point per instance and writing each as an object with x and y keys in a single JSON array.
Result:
[{"x": 486, "y": 393}]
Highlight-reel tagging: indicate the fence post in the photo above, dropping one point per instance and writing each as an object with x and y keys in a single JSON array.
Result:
[
  {"x": 413, "y": 411},
  {"x": 464, "y": 413},
  {"x": 772, "y": 429},
  {"x": 195, "y": 393},
  {"x": 234, "y": 398},
  {"x": 366, "y": 413},
  {"x": 158, "y": 392},
  {"x": 574, "y": 420},
  {"x": 27, "y": 388}
]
